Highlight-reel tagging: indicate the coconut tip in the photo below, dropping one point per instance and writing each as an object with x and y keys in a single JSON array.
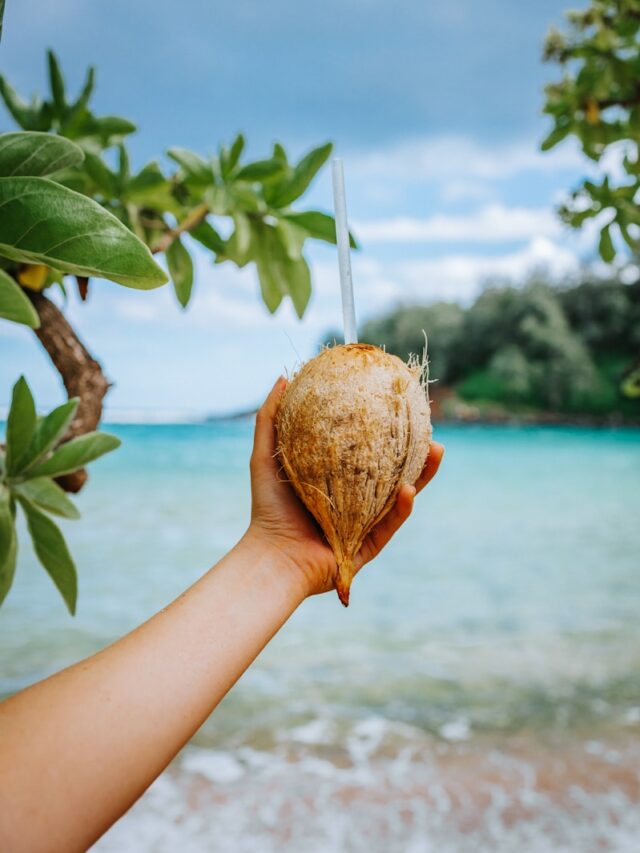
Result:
[
  {"x": 343, "y": 591},
  {"x": 346, "y": 571}
]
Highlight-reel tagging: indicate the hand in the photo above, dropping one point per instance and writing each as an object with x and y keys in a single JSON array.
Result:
[{"x": 280, "y": 521}]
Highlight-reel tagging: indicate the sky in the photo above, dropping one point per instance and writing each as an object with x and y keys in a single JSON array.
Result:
[{"x": 435, "y": 108}]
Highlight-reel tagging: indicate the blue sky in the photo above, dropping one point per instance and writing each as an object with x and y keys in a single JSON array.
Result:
[{"x": 435, "y": 108}]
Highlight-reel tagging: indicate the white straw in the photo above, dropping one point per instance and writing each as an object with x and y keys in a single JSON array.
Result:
[{"x": 344, "y": 257}]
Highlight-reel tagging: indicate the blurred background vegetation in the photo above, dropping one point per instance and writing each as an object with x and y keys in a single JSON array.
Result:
[{"x": 544, "y": 350}]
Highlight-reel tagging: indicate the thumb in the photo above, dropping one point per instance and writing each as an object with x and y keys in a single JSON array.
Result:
[{"x": 264, "y": 439}]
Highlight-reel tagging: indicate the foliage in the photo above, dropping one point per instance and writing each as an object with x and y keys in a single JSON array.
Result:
[
  {"x": 606, "y": 313},
  {"x": 254, "y": 197},
  {"x": 531, "y": 347},
  {"x": 597, "y": 100},
  {"x": 562, "y": 348},
  {"x": 42, "y": 221},
  {"x": 29, "y": 460},
  {"x": 45, "y": 223}
]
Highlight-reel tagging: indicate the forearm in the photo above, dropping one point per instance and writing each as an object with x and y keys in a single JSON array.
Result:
[{"x": 77, "y": 749}]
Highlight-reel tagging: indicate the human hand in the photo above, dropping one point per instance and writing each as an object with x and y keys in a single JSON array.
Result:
[{"x": 280, "y": 522}]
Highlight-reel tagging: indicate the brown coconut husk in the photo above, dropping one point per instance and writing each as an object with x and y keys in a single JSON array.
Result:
[{"x": 353, "y": 426}]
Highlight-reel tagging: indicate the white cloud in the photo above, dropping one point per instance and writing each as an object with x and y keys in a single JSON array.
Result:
[
  {"x": 456, "y": 276},
  {"x": 467, "y": 189},
  {"x": 493, "y": 223},
  {"x": 443, "y": 158},
  {"x": 460, "y": 276}
]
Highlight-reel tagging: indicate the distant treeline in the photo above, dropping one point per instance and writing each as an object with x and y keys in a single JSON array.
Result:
[{"x": 564, "y": 348}]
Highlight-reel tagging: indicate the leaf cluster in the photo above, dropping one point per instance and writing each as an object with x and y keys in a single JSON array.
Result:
[
  {"x": 32, "y": 457},
  {"x": 597, "y": 101},
  {"x": 45, "y": 225},
  {"x": 239, "y": 210}
]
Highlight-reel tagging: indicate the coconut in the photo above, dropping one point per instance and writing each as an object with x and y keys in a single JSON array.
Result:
[{"x": 353, "y": 426}]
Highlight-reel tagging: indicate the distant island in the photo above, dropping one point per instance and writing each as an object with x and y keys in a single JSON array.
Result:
[{"x": 241, "y": 415}]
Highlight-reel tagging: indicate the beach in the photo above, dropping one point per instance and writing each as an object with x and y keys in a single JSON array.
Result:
[{"x": 482, "y": 691}]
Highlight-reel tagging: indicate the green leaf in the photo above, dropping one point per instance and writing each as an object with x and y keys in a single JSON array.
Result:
[
  {"x": 43, "y": 222},
  {"x": 56, "y": 81},
  {"x": 85, "y": 94},
  {"x": 181, "y": 271},
  {"x": 48, "y": 496},
  {"x": 220, "y": 201},
  {"x": 1, "y": 16},
  {"x": 14, "y": 303},
  {"x": 22, "y": 112},
  {"x": 292, "y": 238},
  {"x": 280, "y": 154},
  {"x": 261, "y": 170},
  {"x": 76, "y": 454},
  {"x": 192, "y": 164},
  {"x": 37, "y": 154},
  {"x": 290, "y": 272},
  {"x": 271, "y": 294},
  {"x": 606, "y": 247},
  {"x": 124, "y": 168},
  {"x": 270, "y": 281},
  {"x": 236, "y": 151},
  {"x": 207, "y": 235},
  {"x": 238, "y": 247},
  {"x": 52, "y": 551},
  {"x": 49, "y": 431},
  {"x": 229, "y": 157},
  {"x": 105, "y": 180},
  {"x": 556, "y": 136},
  {"x": 93, "y": 132},
  {"x": 303, "y": 174},
  {"x": 317, "y": 224},
  {"x": 279, "y": 273},
  {"x": 21, "y": 424},
  {"x": 299, "y": 282},
  {"x": 8, "y": 543},
  {"x": 108, "y": 127},
  {"x": 150, "y": 188}
]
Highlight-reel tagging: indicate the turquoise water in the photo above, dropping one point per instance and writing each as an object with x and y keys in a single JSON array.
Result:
[{"x": 483, "y": 689}]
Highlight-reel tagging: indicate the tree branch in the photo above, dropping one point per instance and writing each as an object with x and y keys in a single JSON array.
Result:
[
  {"x": 81, "y": 374},
  {"x": 191, "y": 220}
]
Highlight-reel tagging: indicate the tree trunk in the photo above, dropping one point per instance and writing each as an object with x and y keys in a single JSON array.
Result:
[{"x": 81, "y": 374}]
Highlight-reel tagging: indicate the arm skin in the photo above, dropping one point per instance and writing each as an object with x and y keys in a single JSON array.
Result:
[{"x": 80, "y": 747}]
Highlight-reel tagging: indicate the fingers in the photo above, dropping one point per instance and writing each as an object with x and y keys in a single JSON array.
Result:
[
  {"x": 394, "y": 519},
  {"x": 264, "y": 439},
  {"x": 434, "y": 458}
]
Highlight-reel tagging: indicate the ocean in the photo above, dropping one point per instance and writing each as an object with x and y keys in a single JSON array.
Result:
[{"x": 481, "y": 693}]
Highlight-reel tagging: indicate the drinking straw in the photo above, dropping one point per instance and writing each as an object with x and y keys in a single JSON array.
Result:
[{"x": 344, "y": 257}]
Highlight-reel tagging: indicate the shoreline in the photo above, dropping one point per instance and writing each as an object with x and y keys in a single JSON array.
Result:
[
  {"x": 514, "y": 794},
  {"x": 507, "y": 420}
]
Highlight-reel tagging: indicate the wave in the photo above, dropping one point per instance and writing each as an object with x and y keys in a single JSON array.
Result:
[{"x": 385, "y": 793}]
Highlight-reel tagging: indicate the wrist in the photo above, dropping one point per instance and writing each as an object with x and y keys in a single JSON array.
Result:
[{"x": 259, "y": 548}]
